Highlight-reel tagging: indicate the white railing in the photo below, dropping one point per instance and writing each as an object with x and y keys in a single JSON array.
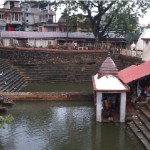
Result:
[{"x": 132, "y": 53}]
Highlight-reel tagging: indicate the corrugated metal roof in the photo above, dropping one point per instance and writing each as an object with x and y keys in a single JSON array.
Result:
[
  {"x": 112, "y": 35},
  {"x": 11, "y": 0},
  {"x": 134, "y": 72},
  {"x": 24, "y": 34},
  {"x": 32, "y": 34}
]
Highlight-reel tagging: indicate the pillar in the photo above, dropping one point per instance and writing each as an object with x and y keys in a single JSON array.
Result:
[
  {"x": 99, "y": 107},
  {"x": 123, "y": 107}
]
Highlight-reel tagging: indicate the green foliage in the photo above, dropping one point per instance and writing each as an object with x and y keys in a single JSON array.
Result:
[
  {"x": 84, "y": 23},
  {"x": 53, "y": 3},
  {"x": 71, "y": 21},
  {"x": 103, "y": 16},
  {"x": 6, "y": 120}
]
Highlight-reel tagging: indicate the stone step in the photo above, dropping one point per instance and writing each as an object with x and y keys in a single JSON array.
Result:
[
  {"x": 18, "y": 86},
  {"x": 147, "y": 106},
  {"x": 11, "y": 84},
  {"x": 145, "y": 112},
  {"x": 43, "y": 70},
  {"x": 142, "y": 128},
  {"x": 144, "y": 120},
  {"x": 139, "y": 135},
  {"x": 10, "y": 77}
]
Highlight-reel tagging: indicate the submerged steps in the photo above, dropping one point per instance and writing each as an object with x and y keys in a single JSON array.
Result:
[
  {"x": 140, "y": 125},
  {"x": 139, "y": 135}
]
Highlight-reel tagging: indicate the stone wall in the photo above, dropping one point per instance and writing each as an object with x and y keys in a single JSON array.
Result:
[
  {"x": 128, "y": 60},
  {"x": 60, "y": 65},
  {"x": 54, "y": 57},
  {"x": 54, "y": 66}
]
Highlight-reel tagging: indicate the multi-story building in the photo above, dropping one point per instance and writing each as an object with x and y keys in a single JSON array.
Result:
[
  {"x": 38, "y": 17},
  {"x": 27, "y": 15},
  {"x": 11, "y": 16}
]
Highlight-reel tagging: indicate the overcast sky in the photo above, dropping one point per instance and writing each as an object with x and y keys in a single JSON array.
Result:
[{"x": 145, "y": 20}]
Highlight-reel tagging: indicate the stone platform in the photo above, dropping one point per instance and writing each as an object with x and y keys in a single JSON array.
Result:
[{"x": 29, "y": 96}]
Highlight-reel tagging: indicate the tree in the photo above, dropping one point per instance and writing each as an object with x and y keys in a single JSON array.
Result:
[
  {"x": 70, "y": 20},
  {"x": 103, "y": 15}
]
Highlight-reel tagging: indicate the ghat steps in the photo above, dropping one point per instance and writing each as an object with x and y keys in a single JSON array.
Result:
[
  {"x": 60, "y": 72},
  {"x": 141, "y": 124},
  {"x": 10, "y": 78}
]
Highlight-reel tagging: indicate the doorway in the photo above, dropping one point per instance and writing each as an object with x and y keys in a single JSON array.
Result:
[{"x": 111, "y": 107}]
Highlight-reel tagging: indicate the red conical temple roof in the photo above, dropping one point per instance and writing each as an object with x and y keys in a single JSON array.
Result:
[{"x": 108, "y": 67}]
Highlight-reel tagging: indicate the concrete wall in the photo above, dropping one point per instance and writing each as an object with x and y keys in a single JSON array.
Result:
[{"x": 31, "y": 42}]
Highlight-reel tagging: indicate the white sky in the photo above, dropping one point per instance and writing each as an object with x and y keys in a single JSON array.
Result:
[{"x": 144, "y": 21}]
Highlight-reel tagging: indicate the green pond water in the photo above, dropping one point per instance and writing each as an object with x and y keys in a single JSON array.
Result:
[
  {"x": 58, "y": 87},
  {"x": 63, "y": 125}
]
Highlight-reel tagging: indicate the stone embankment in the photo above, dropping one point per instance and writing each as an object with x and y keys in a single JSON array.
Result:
[
  {"x": 57, "y": 65},
  {"x": 47, "y": 96},
  {"x": 140, "y": 125}
]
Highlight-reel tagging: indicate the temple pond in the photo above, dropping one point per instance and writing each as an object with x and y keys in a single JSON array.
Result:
[{"x": 63, "y": 125}]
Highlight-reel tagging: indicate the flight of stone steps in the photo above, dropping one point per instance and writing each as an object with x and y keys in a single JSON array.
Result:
[
  {"x": 43, "y": 66},
  {"x": 58, "y": 72},
  {"x": 10, "y": 79},
  {"x": 140, "y": 125}
]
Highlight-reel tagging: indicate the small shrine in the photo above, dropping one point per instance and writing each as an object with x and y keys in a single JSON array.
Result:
[{"x": 110, "y": 93}]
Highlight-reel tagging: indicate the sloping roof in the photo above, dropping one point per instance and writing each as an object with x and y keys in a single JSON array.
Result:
[
  {"x": 112, "y": 35},
  {"x": 11, "y": 1},
  {"x": 31, "y": 34},
  {"x": 108, "y": 67},
  {"x": 108, "y": 83},
  {"x": 134, "y": 72}
]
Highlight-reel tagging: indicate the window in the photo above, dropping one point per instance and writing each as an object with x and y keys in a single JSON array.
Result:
[
  {"x": 51, "y": 29},
  {"x": 26, "y": 20},
  {"x": 12, "y": 4},
  {"x": 13, "y": 16},
  {"x": 16, "y": 17},
  {"x": 26, "y": 15}
]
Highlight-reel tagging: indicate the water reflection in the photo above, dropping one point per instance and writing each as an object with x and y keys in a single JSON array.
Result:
[{"x": 63, "y": 126}]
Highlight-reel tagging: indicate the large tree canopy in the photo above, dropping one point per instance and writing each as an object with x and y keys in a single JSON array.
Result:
[{"x": 104, "y": 15}]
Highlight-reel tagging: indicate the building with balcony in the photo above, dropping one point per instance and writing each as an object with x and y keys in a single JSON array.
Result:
[
  {"x": 27, "y": 15},
  {"x": 37, "y": 17},
  {"x": 11, "y": 16}
]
